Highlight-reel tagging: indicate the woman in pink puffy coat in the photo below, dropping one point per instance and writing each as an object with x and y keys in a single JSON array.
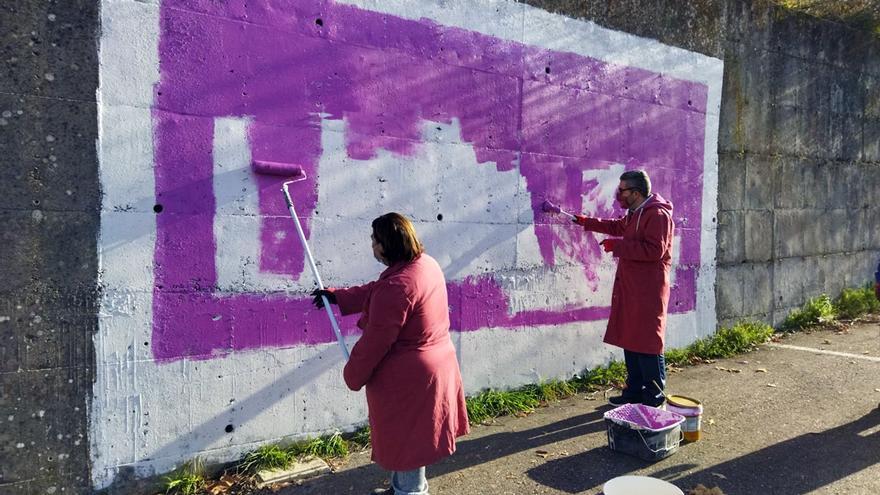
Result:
[{"x": 405, "y": 357}]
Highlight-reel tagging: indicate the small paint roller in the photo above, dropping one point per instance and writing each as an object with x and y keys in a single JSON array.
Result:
[
  {"x": 279, "y": 169},
  {"x": 296, "y": 173},
  {"x": 548, "y": 207}
]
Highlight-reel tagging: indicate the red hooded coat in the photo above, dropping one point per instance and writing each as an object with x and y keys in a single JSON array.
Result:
[
  {"x": 641, "y": 285},
  {"x": 406, "y": 359}
]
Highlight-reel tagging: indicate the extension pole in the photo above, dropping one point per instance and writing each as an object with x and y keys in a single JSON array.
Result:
[{"x": 311, "y": 260}]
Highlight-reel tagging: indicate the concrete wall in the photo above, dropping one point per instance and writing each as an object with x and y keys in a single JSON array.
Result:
[
  {"x": 49, "y": 203},
  {"x": 799, "y": 155},
  {"x": 463, "y": 116}
]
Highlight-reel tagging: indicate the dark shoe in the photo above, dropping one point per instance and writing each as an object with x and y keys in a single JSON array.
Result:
[
  {"x": 654, "y": 402},
  {"x": 623, "y": 399}
]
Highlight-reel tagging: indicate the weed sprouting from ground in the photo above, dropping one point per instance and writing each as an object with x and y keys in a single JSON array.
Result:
[
  {"x": 726, "y": 342},
  {"x": 816, "y": 311},
  {"x": 361, "y": 438},
  {"x": 854, "y": 303},
  {"x": 324, "y": 447},
  {"x": 493, "y": 403},
  {"x": 861, "y": 14},
  {"x": 331, "y": 446},
  {"x": 188, "y": 480},
  {"x": 554, "y": 390},
  {"x": 267, "y": 457},
  {"x": 614, "y": 373}
]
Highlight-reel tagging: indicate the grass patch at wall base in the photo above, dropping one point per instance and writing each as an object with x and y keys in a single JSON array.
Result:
[
  {"x": 854, "y": 303},
  {"x": 188, "y": 480},
  {"x": 815, "y": 311},
  {"x": 726, "y": 342},
  {"x": 267, "y": 457}
]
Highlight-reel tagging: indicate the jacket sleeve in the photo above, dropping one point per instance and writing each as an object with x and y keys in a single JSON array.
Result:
[
  {"x": 351, "y": 300},
  {"x": 389, "y": 309},
  {"x": 606, "y": 226},
  {"x": 652, "y": 247}
]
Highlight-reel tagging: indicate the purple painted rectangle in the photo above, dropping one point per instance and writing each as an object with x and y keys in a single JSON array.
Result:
[{"x": 288, "y": 64}]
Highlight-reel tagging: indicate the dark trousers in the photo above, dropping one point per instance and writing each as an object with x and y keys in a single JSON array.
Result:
[{"x": 644, "y": 374}]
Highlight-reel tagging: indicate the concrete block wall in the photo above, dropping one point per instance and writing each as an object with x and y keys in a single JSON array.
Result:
[
  {"x": 798, "y": 165},
  {"x": 49, "y": 202}
]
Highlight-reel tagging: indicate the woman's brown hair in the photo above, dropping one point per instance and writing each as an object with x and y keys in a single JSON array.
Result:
[{"x": 397, "y": 236}]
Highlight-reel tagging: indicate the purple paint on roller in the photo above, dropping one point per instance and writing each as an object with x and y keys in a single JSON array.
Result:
[
  {"x": 548, "y": 207},
  {"x": 386, "y": 76},
  {"x": 264, "y": 167}
]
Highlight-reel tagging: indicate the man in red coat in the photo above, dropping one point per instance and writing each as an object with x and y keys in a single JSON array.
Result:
[{"x": 642, "y": 243}]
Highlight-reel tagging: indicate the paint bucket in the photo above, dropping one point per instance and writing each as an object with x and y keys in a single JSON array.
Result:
[
  {"x": 691, "y": 409},
  {"x": 639, "y": 485},
  {"x": 643, "y": 431}
]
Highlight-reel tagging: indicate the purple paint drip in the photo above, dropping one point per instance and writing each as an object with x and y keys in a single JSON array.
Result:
[{"x": 273, "y": 61}]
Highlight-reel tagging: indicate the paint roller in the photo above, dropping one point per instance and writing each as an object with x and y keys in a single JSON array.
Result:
[
  {"x": 296, "y": 173},
  {"x": 548, "y": 207}
]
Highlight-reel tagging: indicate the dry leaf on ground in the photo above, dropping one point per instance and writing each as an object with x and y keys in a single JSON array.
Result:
[
  {"x": 702, "y": 490},
  {"x": 729, "y": 370}
]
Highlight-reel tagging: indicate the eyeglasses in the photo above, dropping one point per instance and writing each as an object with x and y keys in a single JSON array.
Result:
[{"x": 621, "y": 190}]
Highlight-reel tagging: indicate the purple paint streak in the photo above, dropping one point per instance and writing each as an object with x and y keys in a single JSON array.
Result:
[{"x": 273, "y": 61}]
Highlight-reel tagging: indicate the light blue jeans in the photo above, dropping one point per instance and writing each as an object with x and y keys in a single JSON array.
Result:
[{"x": 409, "y": 482}]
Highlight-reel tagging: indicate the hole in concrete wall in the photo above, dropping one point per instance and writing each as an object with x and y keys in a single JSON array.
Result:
[
  {"x": 146, "y": 343},
  {"x": 319, "y": 21},
  {"x": 547, "y": 70},
  {"x": 689, "y": 102},
  {"x": 36, "y": 202},
  {"x": 157, "y": 208},
  {"x": 230, "y": 428},
  {"x": 440, "y": 217}
]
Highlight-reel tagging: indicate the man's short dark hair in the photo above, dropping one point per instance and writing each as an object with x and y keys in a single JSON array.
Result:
[{"x": 638, "y": 180}]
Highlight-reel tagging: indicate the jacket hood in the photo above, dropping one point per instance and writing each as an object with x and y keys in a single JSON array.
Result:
[
  {"x": 653, "y": 201},
  {"x": 656, "y": 201}
]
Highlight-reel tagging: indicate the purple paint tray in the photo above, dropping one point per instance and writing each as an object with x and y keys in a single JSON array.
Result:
[{"x": 642, "y": 417}]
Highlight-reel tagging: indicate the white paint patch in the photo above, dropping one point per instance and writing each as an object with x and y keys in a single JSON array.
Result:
[
  {"x": 479, "y": 205},
  {"x": 605, "y": 191},
  {"x": 237, "y": 215}
]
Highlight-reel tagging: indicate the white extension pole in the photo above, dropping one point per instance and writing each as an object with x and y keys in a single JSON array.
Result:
[
  {"x": 311, "y": 260},
  {"x": 569, "y": 215}
]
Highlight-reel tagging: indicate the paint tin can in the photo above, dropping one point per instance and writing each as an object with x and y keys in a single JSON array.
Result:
[{"x": 692, "y": 410}]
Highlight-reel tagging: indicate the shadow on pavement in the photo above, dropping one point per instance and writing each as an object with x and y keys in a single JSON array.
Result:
[
  {"x": 470, "y": 453},
  {"x": 799, "y": 465}
]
